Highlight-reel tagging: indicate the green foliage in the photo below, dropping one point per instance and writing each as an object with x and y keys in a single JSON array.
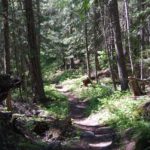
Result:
[
  {"x": 123, "y": 109},
  {"x": 61, "y": 3},
  {"x": 115, "y": 108},
  {"x": 59, "y": 104},
  {"x": 143, "y": 14},
  {"x": 64, "y": 75},
  {"x": 142, "y": 127},
  {"x": 58, "y": 109},
  {"x": 96, "y": 91},
  {"x": 86, "y": 4},
  {"x": 103, "y": 59}
]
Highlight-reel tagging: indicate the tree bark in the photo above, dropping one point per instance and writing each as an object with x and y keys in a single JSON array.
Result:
[
  {"x": 86, "y": 46},
  {"x": 7, "y": 49},
  {"x": 97, "y": 35},
  {"x": 114, "y": 14},
  {"x": 107, "y": 44},
  {"x": 6, "y": 36},
  {"x": 34, "y": 53},
  {"x": 128, "y": 34},
  {"x": 72, "y": 65},
  {"x": 38, "y": 26},
  {"x": 142, "y": 39}
]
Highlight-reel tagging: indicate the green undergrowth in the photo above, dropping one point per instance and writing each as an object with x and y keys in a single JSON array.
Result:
[
  {"x": 118, "y": 109},
  {"x": 74, "y": 85},
  {"x": 58, "y": 106},
  {"x": 96, "y": 91},
  {"x": 60, "y": 76}
]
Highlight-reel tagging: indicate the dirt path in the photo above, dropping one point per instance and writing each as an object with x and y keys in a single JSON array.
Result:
[{"x": 93, "y": 136}]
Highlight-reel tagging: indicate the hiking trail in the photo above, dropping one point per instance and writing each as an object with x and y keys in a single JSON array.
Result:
[{"x": 93, "y": 135}]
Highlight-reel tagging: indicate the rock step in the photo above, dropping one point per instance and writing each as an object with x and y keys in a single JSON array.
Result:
[
  {"x": 104, "y": 137},
  {"x": 101, "y": 146},
  {"x": 58, "y": 86},
  {"x": 77, "y": 116},
  {"x": 77, "y": 107},
  {"x": 104, "y": 130},
  {"x": 89, "y": 137},
  {"x": 87, "y": 127}
]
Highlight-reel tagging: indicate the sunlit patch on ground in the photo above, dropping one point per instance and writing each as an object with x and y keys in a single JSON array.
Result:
[
  {"x": 101, "y": 144},
  {"x": 94, "y": 119}
]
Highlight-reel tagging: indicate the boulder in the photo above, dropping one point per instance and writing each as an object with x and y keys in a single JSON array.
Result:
[{"x": 145, "y": 110}]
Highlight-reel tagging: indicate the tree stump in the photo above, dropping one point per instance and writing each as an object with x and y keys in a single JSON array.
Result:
[
  {"x": 134, "y": 86},
  {"x": 6, "y": 83}
]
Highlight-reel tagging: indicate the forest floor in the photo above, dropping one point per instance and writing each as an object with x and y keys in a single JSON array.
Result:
[
  {"x": 77, "y": 118},
  {"x": 33, "y": 123}
]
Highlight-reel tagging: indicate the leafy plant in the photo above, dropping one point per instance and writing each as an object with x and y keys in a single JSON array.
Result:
[
  {"x": 96, "y": 91},
  {"x": 59, "y": 104}
]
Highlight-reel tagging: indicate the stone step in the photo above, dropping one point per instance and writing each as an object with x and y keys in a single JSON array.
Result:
[
  {"x": 77, "y": 116},
  {"x": 77, "y": 108},
  {"x": 101, "y": 146},
  {"x": 90, "y": 137},
  {"x": 87, "y": 127},
  {"x": 86, "y": 146},
  {"x": 58, "y": 86},
  {"x": 104, "y": 130}
]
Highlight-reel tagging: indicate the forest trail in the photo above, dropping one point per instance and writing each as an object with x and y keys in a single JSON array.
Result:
[{"x": 93, "y": 135}]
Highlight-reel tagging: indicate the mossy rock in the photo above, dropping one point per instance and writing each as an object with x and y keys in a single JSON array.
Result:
[{"x": 145, "y": 111}]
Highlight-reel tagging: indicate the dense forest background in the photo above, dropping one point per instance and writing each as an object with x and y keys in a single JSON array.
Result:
[
  {"x": 97, "y": 49},
  {"x": 69, "y": 35}
]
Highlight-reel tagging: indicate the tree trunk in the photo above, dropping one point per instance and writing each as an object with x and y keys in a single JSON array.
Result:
[
  {"x": 97, "y": 36},
  {"x": 114, "y": 14},
  {"x": 128, "y": 34},
  {"x": 7, "y": 49},
  {"x": 72, "y": 65},
  {"x": 107, "y": 45},
  {"x": 34, "y": 53},
  {"x": 6, "y": 36},
  {"x": 38, "y": 26},
  {"x": 86, "y": 45},
  {"x": 142, "y": 36}
]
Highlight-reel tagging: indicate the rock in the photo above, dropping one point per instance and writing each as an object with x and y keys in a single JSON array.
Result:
[
  {"x": 145, "y": 111},
  {"x": 53, "y": 135},
  {"x": 58, "y": 86},
  {"x": 42, "y": 113}
]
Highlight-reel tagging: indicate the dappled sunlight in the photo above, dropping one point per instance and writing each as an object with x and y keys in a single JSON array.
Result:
[
  {"x": 101, "y": 144},
  {"x": 74, "y": 75},
  {"x": 94, "y": 119}
]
